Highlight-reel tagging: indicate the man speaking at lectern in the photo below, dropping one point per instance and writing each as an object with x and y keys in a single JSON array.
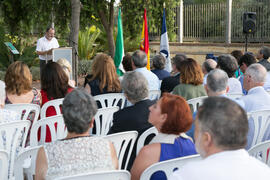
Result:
[{"x": 45, "y": 46}]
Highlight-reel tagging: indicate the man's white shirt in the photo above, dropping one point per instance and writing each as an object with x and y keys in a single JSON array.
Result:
[{"x": 43, "y": 44}]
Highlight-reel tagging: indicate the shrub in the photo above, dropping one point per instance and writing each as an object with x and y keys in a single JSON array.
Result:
[{"x": 2, "y": 75}]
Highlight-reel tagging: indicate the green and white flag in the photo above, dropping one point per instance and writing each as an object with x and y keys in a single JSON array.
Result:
[{"x": 119, "y": 50}]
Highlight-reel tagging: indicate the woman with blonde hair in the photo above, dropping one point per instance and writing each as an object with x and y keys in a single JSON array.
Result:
[
  {"x": 191, "y": 80},
  {"x": 103, "y": 78},
  {"x": 68, "y": 70}
]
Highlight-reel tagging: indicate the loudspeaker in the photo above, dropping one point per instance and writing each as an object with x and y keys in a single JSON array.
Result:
[{"x": 249, "y": 22}]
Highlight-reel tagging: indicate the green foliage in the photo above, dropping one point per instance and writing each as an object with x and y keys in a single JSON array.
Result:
[
  {"x": 84, "y": 67},
  {"x": 133, "y": 16},
  {"x": 86, "y": 42},
  {"x": 131, "y": 44}
]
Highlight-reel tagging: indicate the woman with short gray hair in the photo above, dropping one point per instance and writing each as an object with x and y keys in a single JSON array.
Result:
[
  {"x": 135, "y": 117},
  {"x": 135, "y": 86},
  {"x": 158, "y": 65},
  {"x": 78, "y": 152}
]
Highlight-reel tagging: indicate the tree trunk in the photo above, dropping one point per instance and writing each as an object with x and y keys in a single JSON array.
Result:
[
  {"x": 74, "y": 35},
  {"x": 108, "y": 26},
  {"x": 111, "y": 42}
]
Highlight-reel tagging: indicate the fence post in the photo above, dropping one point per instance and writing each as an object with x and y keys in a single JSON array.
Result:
[
  {"x": 181, "y": 22},
  {"x": 229, "y": 22}
]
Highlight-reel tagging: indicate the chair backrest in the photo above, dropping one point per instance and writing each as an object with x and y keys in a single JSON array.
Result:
[
  {"x": 103, "y": 120},
  {"x": 56, "y": 134},
  {"x": 143, "y": 138},
  {"x": 24, "y": 110},
  {"x": 259, "y": 127},
  {"x": 26, "y": 160},
  {"x": 3, "y": 164},
  {"x": 12, "y": 137},
  {"x": 111, "y": 100},
  {"x": 196, "y": 102},
  {"x": 56, "y": 103},
  {"x": 234, "y": 95},
  {"x": 261, "y": 151},
  {"x": 169, "y": 166},
  {"x": 103, "y": 175},
  {"x": 120, "y": 142},
  {"x": 154, "y": 94}
]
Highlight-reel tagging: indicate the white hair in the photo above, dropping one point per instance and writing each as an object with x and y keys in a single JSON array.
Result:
[{"x": 257, "y": 72}]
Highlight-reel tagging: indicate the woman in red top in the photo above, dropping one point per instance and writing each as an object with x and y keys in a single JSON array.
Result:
[{"x": 54, "y": 85}]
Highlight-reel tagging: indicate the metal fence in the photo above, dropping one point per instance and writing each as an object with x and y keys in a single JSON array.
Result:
[{"x": 207, "y": 22}]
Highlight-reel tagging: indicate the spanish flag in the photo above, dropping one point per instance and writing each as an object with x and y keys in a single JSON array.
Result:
[{"x": 144, "y": 40}]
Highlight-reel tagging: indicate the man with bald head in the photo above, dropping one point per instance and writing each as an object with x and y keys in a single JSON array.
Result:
[
  {"x": 207, "y": 66},
  {"x": 257, "y": 98}
]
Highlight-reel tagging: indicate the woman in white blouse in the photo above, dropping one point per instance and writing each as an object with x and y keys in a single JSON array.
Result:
[{"x": 78, "y": 152}]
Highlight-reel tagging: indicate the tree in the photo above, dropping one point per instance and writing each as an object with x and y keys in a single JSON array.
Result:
[
  {"x": 103, "y": 10},
  {"x": 74, "y": 34},
  {"x": 133, "y": 12}
]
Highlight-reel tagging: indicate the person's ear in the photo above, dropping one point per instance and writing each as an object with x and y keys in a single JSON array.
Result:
[
  {"x": 227, "y": 89},
  {"x": 207, "y": 140},
  {"x": 91, "y": 125},
  {"x": 206, "y": 88},
  {"x": 164, "y": 117}
]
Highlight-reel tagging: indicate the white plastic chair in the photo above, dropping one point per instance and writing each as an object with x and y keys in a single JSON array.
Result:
[
  {"x": 111, "y": 99},
  {"x": 103, "y": 120},
  {"x": 234, "y": 95},
  {"x": 120, "y": 142},
  {"x": 3, "y": 164},
  {"x": 60, "y": 133},
  {"x": 261, "y": 151},
  {"x": 26, "y": 160},
  {"x": 143, "y": 137},
  {"x": 26, "y": 108},
  {"x": 169, "y": 166},
  {"x": 12, "y": 137},
  {"x": 154, "y": 94},
  {"x": 259, "y": 125},
  {"x": 196, "y": 102},
  {"x": 103, "y": 175},
  {"x": 56, "y": 103}
]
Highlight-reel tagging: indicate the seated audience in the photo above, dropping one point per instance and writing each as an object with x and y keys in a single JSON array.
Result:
[
  {"x": 217, "y": 85},
  {"x": 78, "y": 152},
  {"x": 263, "y": 56},
  {"x": 257, "y": 98},
  {"x": 103, "y": 78},
  {"x": 68, "y": 70},
  {"x": 169, "y": 83},
  {"x": 19, "y": 89},
  {"x": 237, "y": 54},
  {"x": 207, "y": 66},
  {"x": 139, "y": 62},
  {"x": 171, "y": 116},
  {"x": 54, "y": 85},
  {"x": 191, "y": 80},
  {"x": 135, "y": 117},
  {"x": 6, "y": 115},
  {"x": 229, "y": 64},
  {"x": 220, "y": 138},
  {"x": 246, "y": 60},
  {"x": 159, "y": 65}
]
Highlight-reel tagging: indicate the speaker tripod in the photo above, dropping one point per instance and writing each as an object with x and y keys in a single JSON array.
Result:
[{"x": 246, "y": 41}]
